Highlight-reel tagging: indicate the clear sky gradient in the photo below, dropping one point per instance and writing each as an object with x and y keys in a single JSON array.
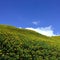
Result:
[{"x": 31, "y": 13}]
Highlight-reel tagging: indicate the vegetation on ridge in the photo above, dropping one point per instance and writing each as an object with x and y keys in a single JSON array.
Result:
[{"x": 23, "y": 44}]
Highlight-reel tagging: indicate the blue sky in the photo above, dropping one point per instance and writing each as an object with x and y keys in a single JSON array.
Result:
[{"x": 31, "y": 13}]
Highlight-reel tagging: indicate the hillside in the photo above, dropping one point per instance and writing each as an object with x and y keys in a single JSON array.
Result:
[{"x": 23, "y": 44}]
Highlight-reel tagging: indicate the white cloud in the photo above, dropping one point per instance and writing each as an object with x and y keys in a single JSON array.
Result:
[
  {"x": 35, "y": 22},
  {"x": 48, "y": 31},
  {"x": 20, "y": 27}
]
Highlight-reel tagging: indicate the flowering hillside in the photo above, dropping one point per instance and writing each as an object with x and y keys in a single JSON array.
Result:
[{"x": 23, "y": 44}]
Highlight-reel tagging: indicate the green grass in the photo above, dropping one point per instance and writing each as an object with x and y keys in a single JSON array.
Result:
[{"x": 23, "y": 44}]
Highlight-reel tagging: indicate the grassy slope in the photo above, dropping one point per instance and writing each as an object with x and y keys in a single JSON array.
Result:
[{"x": 16, "y": 43}]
